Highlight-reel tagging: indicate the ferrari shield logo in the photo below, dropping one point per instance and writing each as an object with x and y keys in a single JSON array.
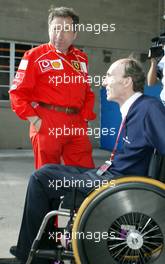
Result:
[{"x": 76, "y": 65}]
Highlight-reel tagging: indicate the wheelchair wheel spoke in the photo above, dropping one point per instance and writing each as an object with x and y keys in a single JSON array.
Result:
[
  {"x": 151, "y": 230},
  {"x": 117, "y": 253},
  {"x": 149, "y": 220},
  {"x": 158, "y": 236},
  {"x": 117, "y": 232},
  {"x": 117, "y": 238},
  {"x": 117, "y": 245},
  {"x": 122, "y": 258}
]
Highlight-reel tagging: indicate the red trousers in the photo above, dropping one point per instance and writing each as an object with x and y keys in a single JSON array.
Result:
[{"x": 61, "y": 138}]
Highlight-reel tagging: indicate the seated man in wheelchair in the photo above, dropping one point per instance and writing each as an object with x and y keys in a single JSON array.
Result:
[{"x": 142, "y": 130}]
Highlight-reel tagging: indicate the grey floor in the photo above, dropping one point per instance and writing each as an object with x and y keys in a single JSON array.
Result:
[{"x": 15, "y": 169}]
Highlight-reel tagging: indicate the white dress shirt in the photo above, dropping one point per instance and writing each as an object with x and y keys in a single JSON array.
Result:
[{"x": 126, "y": 106}]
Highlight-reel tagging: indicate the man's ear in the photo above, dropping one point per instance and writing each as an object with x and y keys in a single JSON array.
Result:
[
  {"x": 128, "y": 81},
  {"x": 49, "y": 31}
]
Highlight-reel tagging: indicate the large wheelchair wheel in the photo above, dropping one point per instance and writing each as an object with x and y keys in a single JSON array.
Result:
[{"x": 122, "y": 224}]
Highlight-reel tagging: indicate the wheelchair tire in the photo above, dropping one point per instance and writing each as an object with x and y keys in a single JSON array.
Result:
[{"x": 131, "y": 215}]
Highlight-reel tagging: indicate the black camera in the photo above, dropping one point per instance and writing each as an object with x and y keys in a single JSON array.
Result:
[{"x": 156, "y": 50}]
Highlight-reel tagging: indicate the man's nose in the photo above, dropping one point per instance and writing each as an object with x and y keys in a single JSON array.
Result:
[
  {"x": 60, "y": 34},
  {"x": 104, "y": 83}
]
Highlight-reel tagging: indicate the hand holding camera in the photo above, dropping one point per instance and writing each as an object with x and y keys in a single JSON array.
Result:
[{"x": 156, "y": 51}]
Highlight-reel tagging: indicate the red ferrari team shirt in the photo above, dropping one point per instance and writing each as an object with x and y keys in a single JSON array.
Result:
[{"x": 49, "y": 76}]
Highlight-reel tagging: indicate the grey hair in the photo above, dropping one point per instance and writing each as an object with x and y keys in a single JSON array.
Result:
[{"x": 134, "y": 69}]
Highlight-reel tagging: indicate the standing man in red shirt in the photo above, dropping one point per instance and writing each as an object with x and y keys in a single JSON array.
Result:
[{"x": 52, "y": 91}]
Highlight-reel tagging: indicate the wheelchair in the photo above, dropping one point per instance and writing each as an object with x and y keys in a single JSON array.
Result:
[{"x": 120, "y": 223}]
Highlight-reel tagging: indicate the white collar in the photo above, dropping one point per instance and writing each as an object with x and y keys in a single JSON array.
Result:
[
  {"x": 58, "y": 51},
  {"x": 126, "y": 106}
]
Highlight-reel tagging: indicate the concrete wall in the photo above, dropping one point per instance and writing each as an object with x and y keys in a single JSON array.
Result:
[
  {"x": 136, "y": 22},
  {"x": 13, "y": 132}
]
